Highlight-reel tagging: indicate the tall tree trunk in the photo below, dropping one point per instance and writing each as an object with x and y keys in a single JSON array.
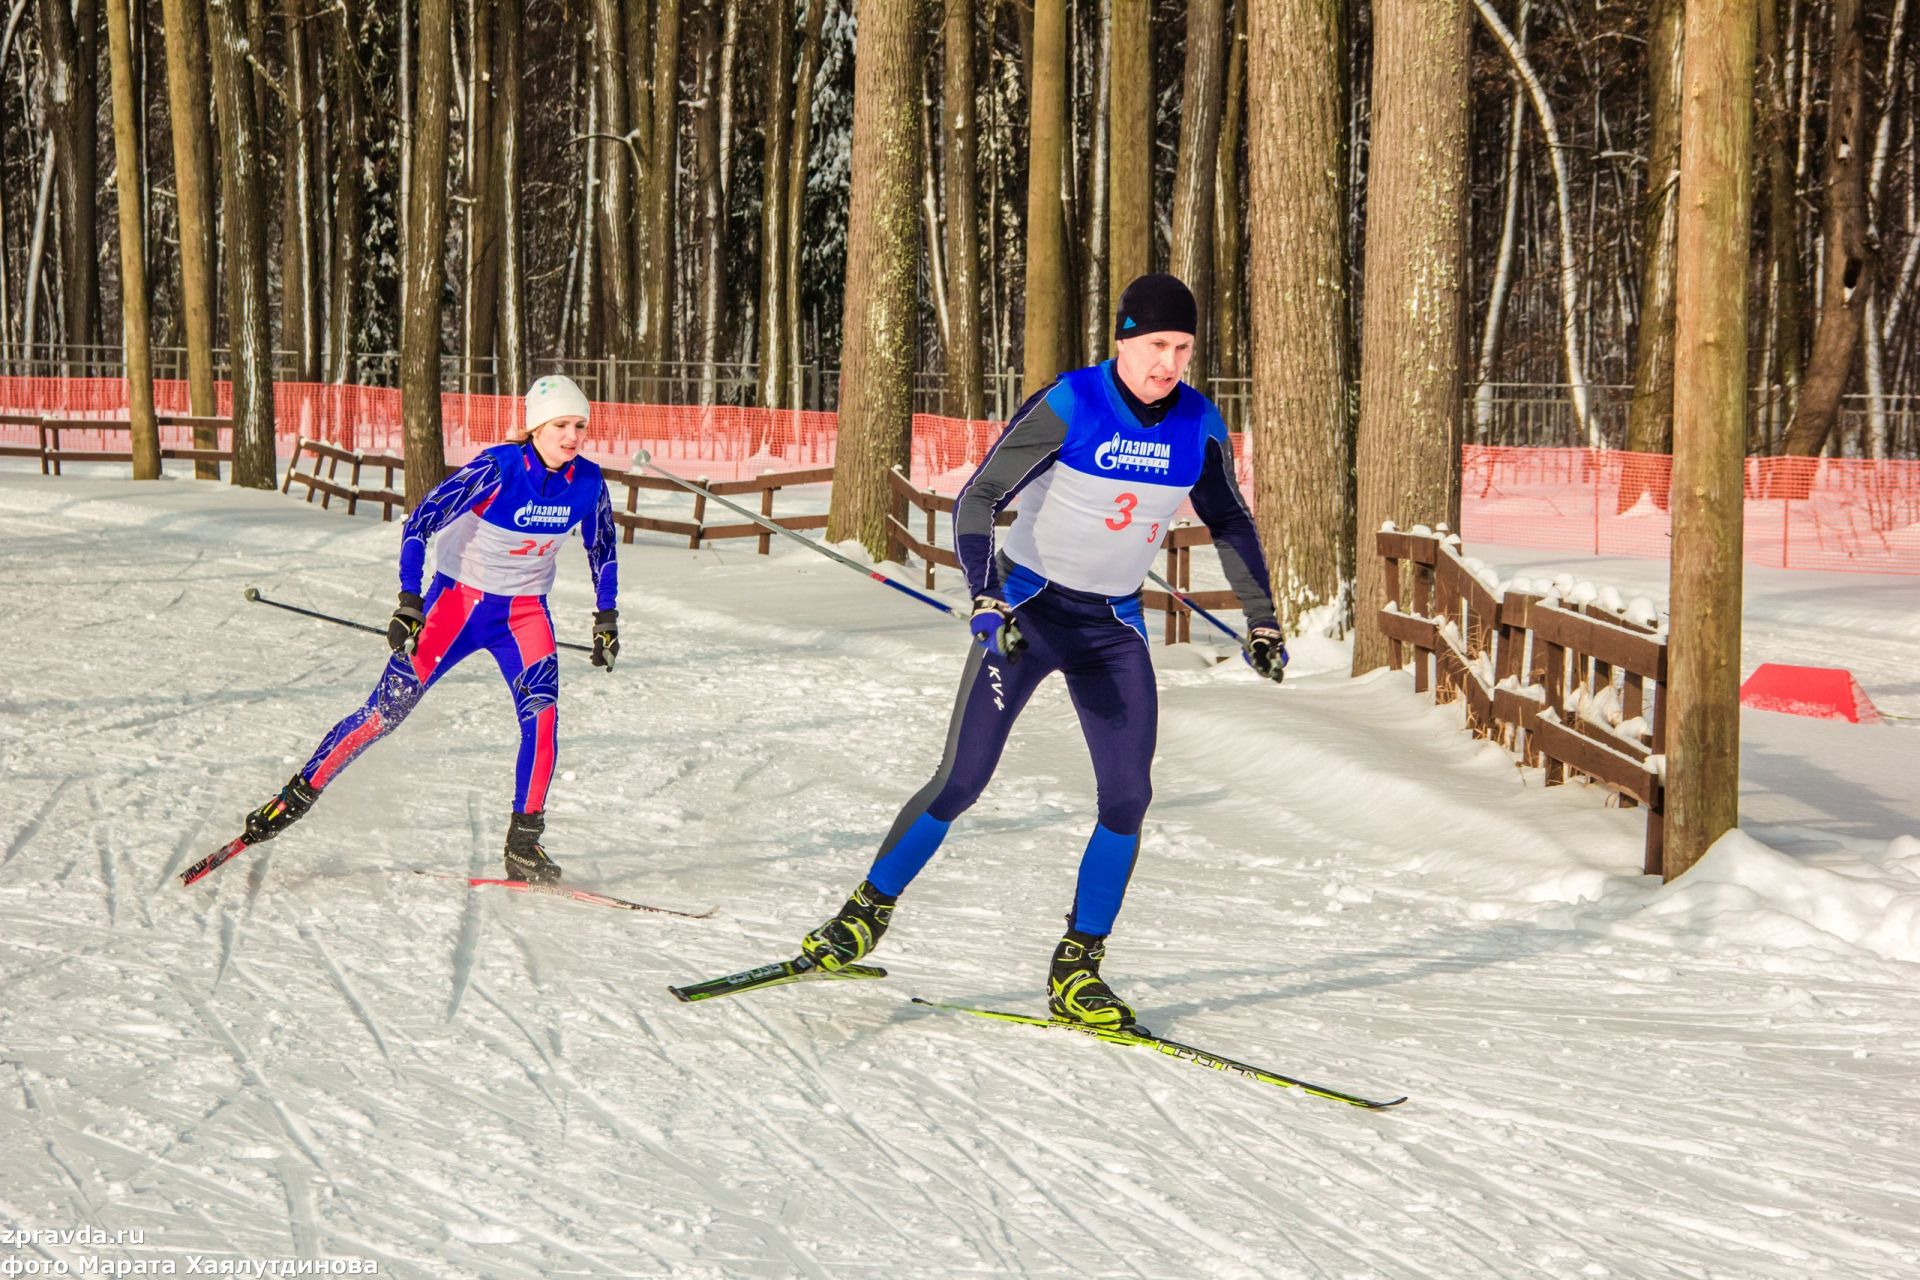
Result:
[
  {"x": 1650, "y": 417},
  {"x": 709, "y": 128},
  {"x": 1572, "y": 342},
  {"x": 344, "y": 313},
  {"x": 426, "y": 257},
  {"x": 960, "y": 152},
  {"x": 510, "y": 340},
  {"x": 1407, "y": 453},
  {"x": 1096, "y": 321},
  {"x": 483, "y": 188},
  {"x": 665, "y": 135},
  {"x": 1047, "y": 340},
  {"x": 135, "y": 334},
  {"x": 70, "y": 47},
  {"x": 1710, "y": 435},
  {"x": 1227, "y": 205},
  {"x": 1130, "y": 149},
  {"x": 776, "y": 362},
  {"x": 1302, "y": 420},
  {"x": 610, "y": 207},
  {"x": 1190, "y": 254},
  {"x": 299, "y": 326},
  {"x": 1785, "y": 331},
  {"x": 1502, "y": 282},
  {"x": 1846, "y": 271},
  {"x": 184, "y": 23},
  {"x": 883, "y": 239},
  {"x": 797, "y": 182},
  {"x": 244, "y": 239},
  {"x": 1872, "y": 339}
]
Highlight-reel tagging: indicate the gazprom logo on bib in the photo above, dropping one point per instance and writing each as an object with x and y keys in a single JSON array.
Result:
[
  {"x": 1137, "y": 455},
  {"x": 541, "y": 513}
]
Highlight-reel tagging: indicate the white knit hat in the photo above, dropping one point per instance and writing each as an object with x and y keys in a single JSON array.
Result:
[{"x": 554, "y": 396}]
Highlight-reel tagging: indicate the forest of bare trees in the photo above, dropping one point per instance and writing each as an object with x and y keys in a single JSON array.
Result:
[{"x": 656, "y": 195}]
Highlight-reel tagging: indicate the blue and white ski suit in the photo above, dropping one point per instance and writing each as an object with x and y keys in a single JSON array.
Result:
[{"x": 1098, "y": 477}]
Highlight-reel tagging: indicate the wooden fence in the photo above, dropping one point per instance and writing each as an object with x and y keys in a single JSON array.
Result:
[
  {"x": 1576, "y": 687},
  {"x": 51, "y": 452},
  {"x": 329, "y": 485}
]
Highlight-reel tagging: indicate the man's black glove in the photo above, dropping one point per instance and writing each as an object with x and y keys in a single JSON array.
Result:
[
  {"x": 403, "y": 630},
  {"x": 1267, "y": 652},
  {"x": 994, "y": 628},
  {"x": 606, "y": 638}
]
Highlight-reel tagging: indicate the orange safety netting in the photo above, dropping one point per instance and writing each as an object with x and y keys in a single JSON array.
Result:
[
  {"x": 1845, "y": 514},
  {"x": 1801, "y": 513}
]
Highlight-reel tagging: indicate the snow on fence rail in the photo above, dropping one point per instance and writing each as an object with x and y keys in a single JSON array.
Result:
[
  {"x": 1575, "y": 683},
  {"x": 1801, "y": 513}
]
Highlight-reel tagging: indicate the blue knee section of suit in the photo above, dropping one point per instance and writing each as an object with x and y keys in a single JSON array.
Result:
[
  {"x": 1105, "y": 869},
  {"x": 895, "y": 869}
]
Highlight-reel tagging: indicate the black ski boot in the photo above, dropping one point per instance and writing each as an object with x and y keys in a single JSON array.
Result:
[
  {"x": 853, "y": 933},
  {"x": 526, "y": 860},
  {"x": 281, "y": 812},
  {"x": 1075, "y": 990}
]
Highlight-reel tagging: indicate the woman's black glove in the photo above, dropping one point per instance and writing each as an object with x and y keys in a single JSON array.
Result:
[
  {"x": 606, "y": 638},
  {"x": 403, "y": 630}
]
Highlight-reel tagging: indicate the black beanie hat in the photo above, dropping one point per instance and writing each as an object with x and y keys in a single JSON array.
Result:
[{"x": 1156, "y": 303}]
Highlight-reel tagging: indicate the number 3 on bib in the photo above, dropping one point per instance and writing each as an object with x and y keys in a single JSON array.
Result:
[{"x": 1126, "y": 502}]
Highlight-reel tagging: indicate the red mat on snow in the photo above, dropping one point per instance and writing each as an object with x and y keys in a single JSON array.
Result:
[{"x": 1827, "y": 693}]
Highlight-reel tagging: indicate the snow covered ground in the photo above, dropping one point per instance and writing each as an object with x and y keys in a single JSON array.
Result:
[{"x": 318, "y": 1057}]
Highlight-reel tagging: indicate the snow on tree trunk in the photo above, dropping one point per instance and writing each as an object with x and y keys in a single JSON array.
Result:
[
  {"x": 665, "y": 136},
  {"x": 615, "y": 237},
  {"x": 776, "y": 363},
  {"x": 1229, "y": 209},
  {"x": 511, "y": 335}
]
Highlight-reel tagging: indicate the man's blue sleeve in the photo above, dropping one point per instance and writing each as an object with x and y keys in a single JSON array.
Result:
[
  {"x": 1029, "y": 445},
  {"x": 597, "y": 532},
  {"x": 452, "y": 498},
  {"x": 1217, "y": 501}
]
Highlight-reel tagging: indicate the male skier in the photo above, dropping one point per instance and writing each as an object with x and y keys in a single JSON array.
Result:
[{"x": 1101, "y": 460}]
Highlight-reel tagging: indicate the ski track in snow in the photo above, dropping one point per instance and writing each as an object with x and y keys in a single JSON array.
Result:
[{"x": 315, "y": 1053}]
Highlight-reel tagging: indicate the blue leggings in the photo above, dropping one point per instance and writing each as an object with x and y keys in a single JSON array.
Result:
[
  {"x": 1100, "y": 647},
  {"x": 462, "y": 620}
]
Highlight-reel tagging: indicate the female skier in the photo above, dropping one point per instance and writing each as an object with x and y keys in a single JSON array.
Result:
[
  {"x": 499, "y": 521},
  {"x": 1104, "y": 457}
]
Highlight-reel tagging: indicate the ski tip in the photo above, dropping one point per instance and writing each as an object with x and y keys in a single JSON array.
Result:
[
  {"x": 1382, "y": 1106},
  {"x": 680, "y": 995}
]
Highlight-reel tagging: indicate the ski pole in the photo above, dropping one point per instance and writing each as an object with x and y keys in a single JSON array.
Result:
[
  {"x": 643, "y": 458},
  {"x": 1171, "y": 590},
  {"x": 253, "y": 594}
]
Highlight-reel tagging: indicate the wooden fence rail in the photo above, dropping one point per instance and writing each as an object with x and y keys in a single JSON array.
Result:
[
  {"x": 52, "y": 453},
  {"x": 388, "y": 495},
  {"x": 1576, "y": 687}
]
